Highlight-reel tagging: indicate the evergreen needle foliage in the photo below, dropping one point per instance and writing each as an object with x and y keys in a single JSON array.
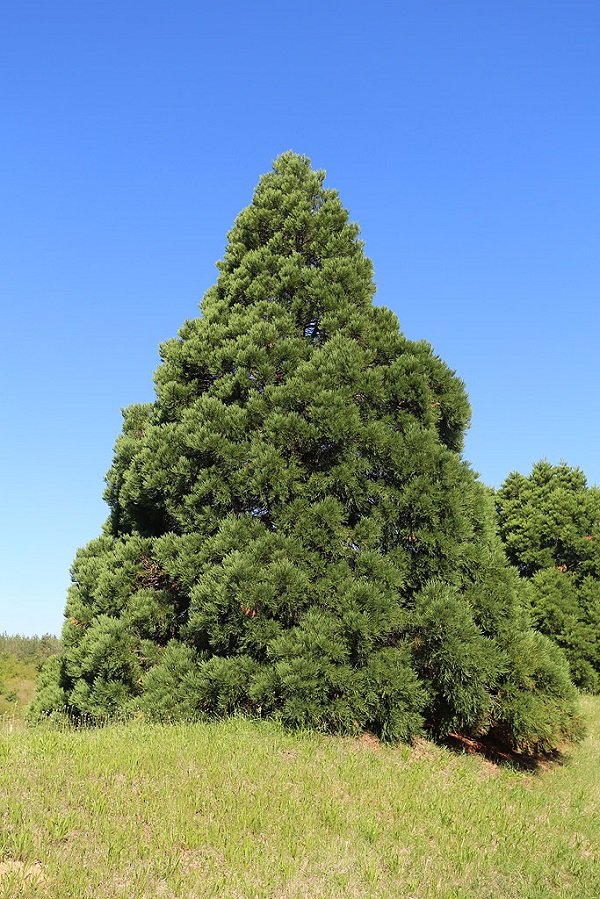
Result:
[
  {"x": 292, "y": 529},
  {"x": 550, "y": 524}
]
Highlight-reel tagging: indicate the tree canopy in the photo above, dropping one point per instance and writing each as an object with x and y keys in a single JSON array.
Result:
[
  {"x": 550, "y": 525},
  {"x": 293, "y": 531}
]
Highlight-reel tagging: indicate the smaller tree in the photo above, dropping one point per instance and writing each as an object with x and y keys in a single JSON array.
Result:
[{"x": 550, "y": 526}]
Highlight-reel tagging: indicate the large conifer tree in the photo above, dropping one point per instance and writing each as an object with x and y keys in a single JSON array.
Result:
[{"x": 292, "y": 530}]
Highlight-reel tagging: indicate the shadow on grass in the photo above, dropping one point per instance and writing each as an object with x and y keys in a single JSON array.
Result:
[{"x": 501, "y": 755}]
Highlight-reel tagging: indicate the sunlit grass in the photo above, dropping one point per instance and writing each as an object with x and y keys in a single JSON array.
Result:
[
  {"x": 17, "y": 685},
  {"x": 244, "y": 809}
]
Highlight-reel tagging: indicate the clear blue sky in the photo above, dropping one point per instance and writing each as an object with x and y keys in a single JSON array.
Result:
[{"x": 464, "y": 137}]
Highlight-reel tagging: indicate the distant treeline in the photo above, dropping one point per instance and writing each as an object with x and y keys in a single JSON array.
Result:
[{"x": 30, "y": 649}]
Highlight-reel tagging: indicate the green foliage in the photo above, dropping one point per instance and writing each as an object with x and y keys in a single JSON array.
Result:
[
  {"x": 34, "y": 650},
  {"x": 50, "y": 694},
  {"x": 461, "y": 666},
  {"x": 550, "y": 525},
  {"x": 278, "y": 513},
  {"x": 537, "y": 701}
]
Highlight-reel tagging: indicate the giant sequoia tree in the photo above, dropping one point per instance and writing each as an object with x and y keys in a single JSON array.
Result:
[
  {"x": 292, "y": 530},
  {"x": 550, "y": 525}
]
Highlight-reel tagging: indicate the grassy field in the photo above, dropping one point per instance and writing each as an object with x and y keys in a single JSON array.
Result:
[
  {"x": 17, "y": 684},
  {"x": 243, "y": 809},
  {"x": 19, "y": 660}
]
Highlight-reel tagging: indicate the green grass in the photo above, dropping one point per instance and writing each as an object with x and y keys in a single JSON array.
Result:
[
  {"x": 17, "y": 684},
  {"x": 244, "y": 809},
  {"x": 19, "y": 660}
]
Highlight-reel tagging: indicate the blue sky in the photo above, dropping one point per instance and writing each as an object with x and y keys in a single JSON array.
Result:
[{"x": 464, "y": 137}]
